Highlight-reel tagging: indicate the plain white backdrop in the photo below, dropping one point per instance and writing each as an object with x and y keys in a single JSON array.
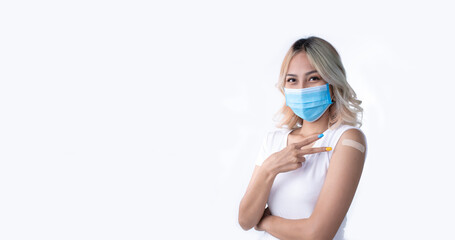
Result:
[{"x": 142, "y": 120}]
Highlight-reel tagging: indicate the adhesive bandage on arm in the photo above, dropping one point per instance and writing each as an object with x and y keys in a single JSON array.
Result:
[{"x": 354, "y": 144}]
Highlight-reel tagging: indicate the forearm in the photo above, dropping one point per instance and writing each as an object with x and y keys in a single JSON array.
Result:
[
  {"x": 289, "y": 229},
  {"x": 253, "y": 202}
]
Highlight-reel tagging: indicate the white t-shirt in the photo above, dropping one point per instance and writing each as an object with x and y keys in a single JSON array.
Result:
[{"x": 294, "y": 194}]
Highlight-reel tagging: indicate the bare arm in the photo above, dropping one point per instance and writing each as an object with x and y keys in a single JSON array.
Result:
[
  {"x": 336, "y": 195},
  {"x": 288, "y": 229},
  {"x": 253, "y": 202}
]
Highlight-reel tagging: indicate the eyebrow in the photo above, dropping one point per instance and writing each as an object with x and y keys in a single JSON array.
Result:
[{"x": 306, "y": 74}]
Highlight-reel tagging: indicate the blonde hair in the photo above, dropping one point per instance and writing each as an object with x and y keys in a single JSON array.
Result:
[{"x": 324, "y": 57}]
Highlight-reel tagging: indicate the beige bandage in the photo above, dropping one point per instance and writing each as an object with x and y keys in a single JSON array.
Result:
[{"x": 354, "y": 144}]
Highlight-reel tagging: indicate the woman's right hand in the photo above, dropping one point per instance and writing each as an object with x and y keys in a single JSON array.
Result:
[{"x": 292, "y": 156}]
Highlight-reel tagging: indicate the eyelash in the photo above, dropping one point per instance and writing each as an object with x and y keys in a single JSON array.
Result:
[{"x": 310, "y": 78}]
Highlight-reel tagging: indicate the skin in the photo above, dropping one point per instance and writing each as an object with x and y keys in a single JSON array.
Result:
[{"x": 339, "y": 187}]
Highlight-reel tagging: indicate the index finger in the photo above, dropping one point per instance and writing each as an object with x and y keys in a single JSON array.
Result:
[
  {"x": 308, "y": 140},
  {"x": 315, "y": 150}
]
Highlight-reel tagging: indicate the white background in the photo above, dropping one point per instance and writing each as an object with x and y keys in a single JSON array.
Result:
[{"x": 142, "y": 120}]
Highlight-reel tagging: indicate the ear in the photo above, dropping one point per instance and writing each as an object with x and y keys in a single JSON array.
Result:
[{"x": 331, "y": 92}]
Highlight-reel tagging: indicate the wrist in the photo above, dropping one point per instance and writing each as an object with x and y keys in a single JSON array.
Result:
[
  {"x": 267, "y": 222},
  {"x": 268, "y": 172}
]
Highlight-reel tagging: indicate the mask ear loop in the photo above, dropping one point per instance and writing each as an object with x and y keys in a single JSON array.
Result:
[
  {"x": 331, "y": 96},
  {"x": 331, "y": 115}
]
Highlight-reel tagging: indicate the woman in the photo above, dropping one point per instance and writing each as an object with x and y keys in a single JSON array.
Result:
[{"x": 308, "y": 171}]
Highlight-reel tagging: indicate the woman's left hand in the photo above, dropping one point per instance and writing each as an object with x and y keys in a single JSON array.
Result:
[{"x": 260, "y": 225}]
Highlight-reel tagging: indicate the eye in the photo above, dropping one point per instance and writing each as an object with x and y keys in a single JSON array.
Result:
[
  {"x": 290, "y": 80},
  {"x": 315, "y": 78}
]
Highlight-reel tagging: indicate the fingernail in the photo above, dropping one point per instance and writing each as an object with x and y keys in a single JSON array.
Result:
[
  {"x": 328, "y": 149},
  {"x": 320, "y": 135}
]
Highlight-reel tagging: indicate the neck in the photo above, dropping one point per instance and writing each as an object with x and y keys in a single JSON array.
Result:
[{"x": 316, "y": 127}]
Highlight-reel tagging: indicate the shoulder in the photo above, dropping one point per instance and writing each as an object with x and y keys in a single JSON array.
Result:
[
  {"x": 275, "y": 136},
  {"x": 270, "y": 143},
  {"x": 276, "y": 133},
  {"x": 354, "y": 134},
  {"x": 353, "y": 138},
  {"x": 348, "y": 131}
]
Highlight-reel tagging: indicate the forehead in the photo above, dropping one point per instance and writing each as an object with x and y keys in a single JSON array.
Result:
[{"x": 300, "y": 63}]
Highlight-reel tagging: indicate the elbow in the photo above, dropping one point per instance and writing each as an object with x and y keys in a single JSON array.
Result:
[
  {"x": 244, "y": 223},
  {"x": 245, "y": 226}
]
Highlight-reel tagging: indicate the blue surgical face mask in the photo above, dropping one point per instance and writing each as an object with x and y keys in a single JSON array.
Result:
[{"x": 308, "y": 103}]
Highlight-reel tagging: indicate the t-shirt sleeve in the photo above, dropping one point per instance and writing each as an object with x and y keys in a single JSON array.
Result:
[{"x": 262, "y": 155}]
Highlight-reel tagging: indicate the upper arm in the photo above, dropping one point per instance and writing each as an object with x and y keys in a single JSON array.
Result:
[{"x": 343, "y": 176}]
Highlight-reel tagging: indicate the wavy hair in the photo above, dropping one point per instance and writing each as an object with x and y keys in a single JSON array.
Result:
[{"x": 326, "y": 60}]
